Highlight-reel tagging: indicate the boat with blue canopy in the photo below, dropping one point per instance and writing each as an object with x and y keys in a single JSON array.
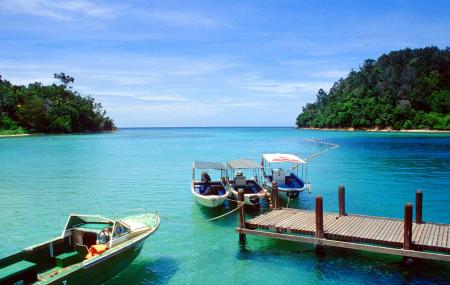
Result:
[
  {"x": 289, "y": 171},
  {"x": 236, "y": 179},
  {"x": 209, "y": 192}
]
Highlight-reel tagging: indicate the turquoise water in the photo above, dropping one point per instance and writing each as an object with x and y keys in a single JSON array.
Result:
[{"x": 45, "y": 178}]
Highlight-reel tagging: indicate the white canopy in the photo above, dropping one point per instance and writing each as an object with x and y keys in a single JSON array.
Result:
[{"x": 282, "y": 157}]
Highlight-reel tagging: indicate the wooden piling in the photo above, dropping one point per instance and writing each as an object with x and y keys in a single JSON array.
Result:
[
  {"x": 419, "y": 197},
  {"x": 407, "y": 227},
  {"x": 275, "y": 198},
  {"x": 319, "y": 217},
  {"x": 241, "y": 214},
  {"x": 341, "y": 192}
]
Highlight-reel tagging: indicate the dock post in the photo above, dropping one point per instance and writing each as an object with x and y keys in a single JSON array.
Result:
[
  {"x": 342, "y": 201},
  {"x": 275, "y": 198},
  {"x": 319, "y": 217},
  {"x": 407, "y": 227},
  {"x": 241, "y": 214},
  {"x": 419, "y": 196}
]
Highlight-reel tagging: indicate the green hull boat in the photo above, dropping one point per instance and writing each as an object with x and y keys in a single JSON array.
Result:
[{"x": 90, "y": 250}]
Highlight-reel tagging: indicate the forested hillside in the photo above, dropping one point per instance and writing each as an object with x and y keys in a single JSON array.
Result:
[
  {"x": 405, "y": 89},
  {"x": 37, "y": 108}
]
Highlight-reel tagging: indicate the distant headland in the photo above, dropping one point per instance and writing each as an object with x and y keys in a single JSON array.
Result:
[
  {"x": 38, "y": 108},
  {"x": 407, "y": 89}
]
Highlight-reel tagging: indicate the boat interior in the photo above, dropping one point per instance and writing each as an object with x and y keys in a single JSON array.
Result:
[
  {"x": 290, "y": 181},
  {"x": 80, "y": 240},
  {"x": 250, "y": 186},
  {"x": 209, "y": 188}
]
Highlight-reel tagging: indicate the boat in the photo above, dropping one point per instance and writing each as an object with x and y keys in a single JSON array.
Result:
[
  {"x": 290, "y": 183},
  {"x": 206, "y": 192},
  {"x": 236, "y": 180},
  {"x": 90, "y": 250}
]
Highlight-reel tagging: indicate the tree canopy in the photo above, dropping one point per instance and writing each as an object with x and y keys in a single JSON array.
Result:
[
  {"x": 405, "y": 89},
  {"x": 38, "y": 108}
]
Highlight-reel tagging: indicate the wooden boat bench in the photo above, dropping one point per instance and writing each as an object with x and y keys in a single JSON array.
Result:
[
  {"x": 67, "y": 259},
  {"x": 21, "y": 270}
]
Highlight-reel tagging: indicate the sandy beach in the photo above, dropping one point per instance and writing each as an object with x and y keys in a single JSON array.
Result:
[
  {"x": 16, "y": 135},
  {"x": 379, "y": 130}
]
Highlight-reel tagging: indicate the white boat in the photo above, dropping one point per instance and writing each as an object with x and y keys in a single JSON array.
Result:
[
  {"x": 236, "y": 180},
  {"x": 90, "y": 250},
  {"x": 209, "y": 193},
  {"x": 284, "y": 168}
]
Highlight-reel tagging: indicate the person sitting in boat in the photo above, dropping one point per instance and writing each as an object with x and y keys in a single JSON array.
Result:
[{"x": 205, "y": 189}]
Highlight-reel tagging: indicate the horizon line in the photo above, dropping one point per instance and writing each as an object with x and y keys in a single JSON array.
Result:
[{"x": 174, "y": 127}]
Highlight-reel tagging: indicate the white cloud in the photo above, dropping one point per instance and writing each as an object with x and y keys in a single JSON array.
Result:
[
  {"x": 59, "y": 10},
  {"x": 179, "y": 18},
  {"x": 141, "y": 96},
  {"x": 285, "y": 88}
]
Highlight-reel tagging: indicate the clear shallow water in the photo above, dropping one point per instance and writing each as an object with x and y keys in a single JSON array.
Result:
[{"x": 45, "y": 178}]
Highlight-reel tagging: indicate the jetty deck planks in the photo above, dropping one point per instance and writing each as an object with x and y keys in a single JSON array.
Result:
[{"x": 357, "y": 229}]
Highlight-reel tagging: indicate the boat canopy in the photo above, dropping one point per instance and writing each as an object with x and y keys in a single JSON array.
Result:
[
  {"x": 243, "y": 164},
  {"x": 283, "y": 157},
  {"x": 89, "y": 223},
  {"x": 208, "y": 165}
]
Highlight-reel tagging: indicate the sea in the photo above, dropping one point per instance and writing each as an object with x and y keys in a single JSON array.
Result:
[{"x": 45, "y": 178}]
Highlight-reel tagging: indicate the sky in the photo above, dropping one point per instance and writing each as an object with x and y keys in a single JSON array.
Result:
[{"x": 207, "y": 63}]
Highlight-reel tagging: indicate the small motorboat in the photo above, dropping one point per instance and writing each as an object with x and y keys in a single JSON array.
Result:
[
  {"x": 206, "y": 192},
  {"x": 290, "y": 185},
  {"x": 90, "y": 250},
  {"x": 236, "y": 180}
]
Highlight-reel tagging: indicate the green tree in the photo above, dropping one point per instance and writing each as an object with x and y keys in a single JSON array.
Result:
[
  {"x": 50, "y": 109},
  {"x": 406, "y": 89}
]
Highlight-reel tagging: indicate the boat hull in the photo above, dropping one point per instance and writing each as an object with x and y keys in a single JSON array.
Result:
[
  {"x": 102, "y": 268},
  {"x": 249, "y": 199},
  {"x": 291, "y": 191},
  {"x": 211, "y": 201}
]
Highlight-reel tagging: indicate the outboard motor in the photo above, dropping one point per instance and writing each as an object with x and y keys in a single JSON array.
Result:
[
  {"x": 254, "y": 199},
  {"x": 292, "y": 194}
]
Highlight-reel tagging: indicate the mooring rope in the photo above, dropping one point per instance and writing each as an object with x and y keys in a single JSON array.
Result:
[
  {"x": 221, "y": 216},
  {"x": 212, "y": 219},
  {"x": 320, "y": 142}
]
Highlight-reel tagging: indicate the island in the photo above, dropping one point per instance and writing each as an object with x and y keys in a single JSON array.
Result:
[
  {"x": 402, "y": 90},
  {"x": 54, "y": 109}
]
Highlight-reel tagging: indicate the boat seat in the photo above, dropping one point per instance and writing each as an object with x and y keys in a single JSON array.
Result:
[
  {"x": 278, "y": 176},
  {"x": 240, "y": 181},
  {"x": 21, "y": 271},
  {"x": 82, "y": 250},
  {"x": 67, "y": 259}
]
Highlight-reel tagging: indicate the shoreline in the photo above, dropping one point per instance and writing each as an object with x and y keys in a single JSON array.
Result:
[
  {"x": 379, "y": 130},
  {"x": 51, "y": 134}
]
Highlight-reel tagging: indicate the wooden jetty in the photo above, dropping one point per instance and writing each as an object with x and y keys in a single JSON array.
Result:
[{"x": 407, "y": 238}]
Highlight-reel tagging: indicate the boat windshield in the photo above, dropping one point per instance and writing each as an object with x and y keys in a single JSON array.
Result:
[{"x": 87, "y": 223}]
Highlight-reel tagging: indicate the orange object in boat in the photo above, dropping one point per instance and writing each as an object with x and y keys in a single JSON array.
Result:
[{"x": 96, "y": 249}]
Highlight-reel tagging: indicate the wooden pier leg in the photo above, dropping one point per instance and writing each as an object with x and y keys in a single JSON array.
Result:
[
  {"x": 241, "y": 214},
  {"x": 407, "y": 227},
  {"x": 275, "y": 198},
  {"x": 419, "y": 197},
  {"x": 319, "y": 217},
  {"x": 342, "y": 201}
]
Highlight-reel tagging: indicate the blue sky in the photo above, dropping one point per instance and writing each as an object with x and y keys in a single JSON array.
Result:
[{"x": 207, "y": 63}]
